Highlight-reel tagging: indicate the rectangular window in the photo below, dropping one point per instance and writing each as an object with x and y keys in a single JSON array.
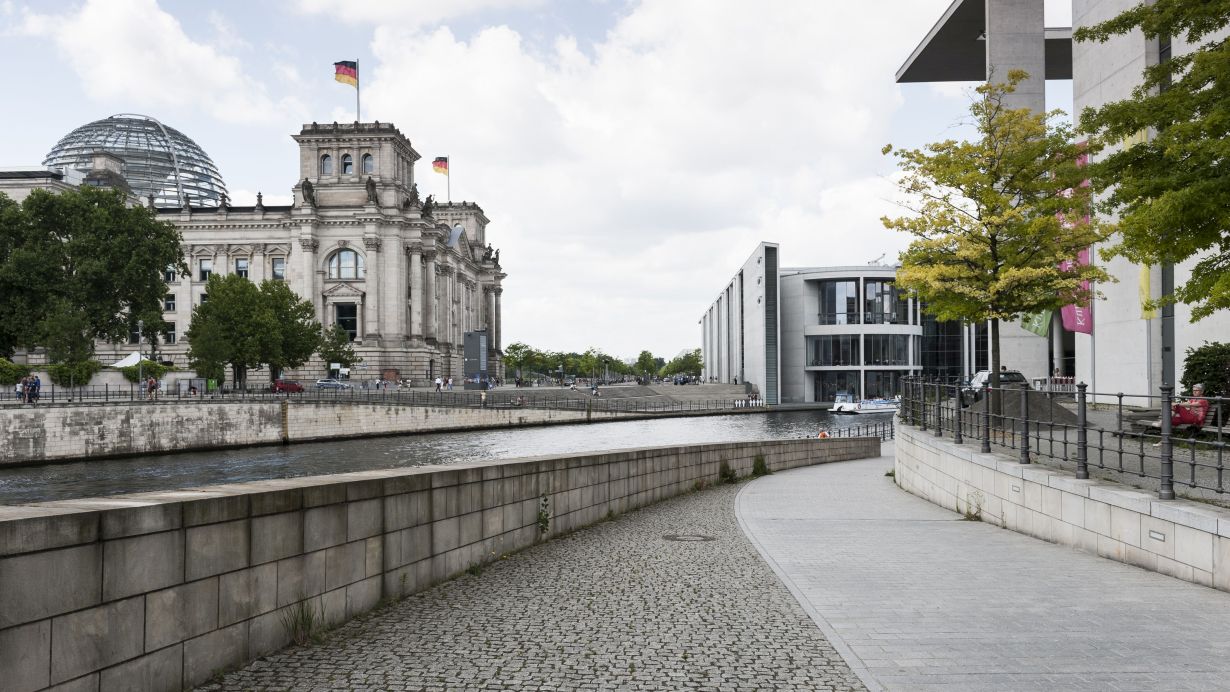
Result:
[
  {"x": 883, "y": 384},
  {"x": 207, "y": 268},
  {"x": 839, "y": 302},
  {"x": 169, "y": 338},
  {"x": 829, "y": 384},
  {"x": 834, "y": 349},
  {"x": 887, "y": 349},
  {"x": 347, "y": 315},
  {"x": 134, "y": 336},
  {"x": 204, "y": 297},
  {"x": 170, "y": 274},
  {"x": 279, "y": 268},
  {"x": 883, "y": 304},
  {"x": 168, "y": 303},
  {"x": 241, "y": 267}
]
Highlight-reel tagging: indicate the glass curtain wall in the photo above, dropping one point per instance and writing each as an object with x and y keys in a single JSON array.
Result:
[
  {"x": 839, "y": 301},
  {"x": 883, "y": 304},
  {"x": 835, "y": 349},
  {"x": 828, "y": 384},
  {"x": 887, "y": 349},
  {"x": 884, "y": 384}
]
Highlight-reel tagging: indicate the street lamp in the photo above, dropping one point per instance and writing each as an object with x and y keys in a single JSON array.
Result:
[{"x": 140, "y": 358}]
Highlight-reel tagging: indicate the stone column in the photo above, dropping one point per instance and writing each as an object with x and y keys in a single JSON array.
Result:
[
  {"x": 308, "y": 277},
  {"x": 429, "y": 300},
  {"x": 1016, "y": 40},
  {"x": 444, "y": 316},
  {"x": 416, "y": 292},
  {"x": 490, "y": 295},
  {"x": 372, "y": 279},
  {"x": 393, "y": 291},
  {"x": 256, "y": 265},
  {"x": 499, "y": 325}
]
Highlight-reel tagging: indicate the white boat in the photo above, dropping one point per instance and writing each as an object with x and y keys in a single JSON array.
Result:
[{"x": 844, "y": 403}]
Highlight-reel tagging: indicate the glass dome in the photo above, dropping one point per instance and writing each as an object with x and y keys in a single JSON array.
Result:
[{"x": 158, "y": 160}]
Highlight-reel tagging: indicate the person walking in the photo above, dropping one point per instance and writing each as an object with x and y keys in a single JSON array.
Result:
[
  {"x": 37, "y": 390},
  {"x": 439, "y": 384}
]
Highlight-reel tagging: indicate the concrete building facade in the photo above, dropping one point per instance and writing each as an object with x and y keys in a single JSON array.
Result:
[{"x": 740, "y": 330}]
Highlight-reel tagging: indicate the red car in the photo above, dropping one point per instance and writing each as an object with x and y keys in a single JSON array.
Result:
[{"x": 282, "y": 386}]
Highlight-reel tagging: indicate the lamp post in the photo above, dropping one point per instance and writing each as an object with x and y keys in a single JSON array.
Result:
[
  {"x": 606, "y": 371},
  {"x": 140, "y": 358}
]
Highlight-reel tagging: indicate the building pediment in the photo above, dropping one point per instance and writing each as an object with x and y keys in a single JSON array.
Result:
[{"x": 343, "y": 290}]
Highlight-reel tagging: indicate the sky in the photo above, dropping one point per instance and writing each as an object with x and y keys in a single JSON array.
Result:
[{"x": 629, "y": 153}]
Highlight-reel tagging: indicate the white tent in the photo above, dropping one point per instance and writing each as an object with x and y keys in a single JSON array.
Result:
[{"x": 128, "y": 361}]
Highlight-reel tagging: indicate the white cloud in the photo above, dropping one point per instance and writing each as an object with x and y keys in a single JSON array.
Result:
[
  {"x": 134, "y": 52},
  {"x": 410, "y": 13},
  {"x": 627, "y": 184}
]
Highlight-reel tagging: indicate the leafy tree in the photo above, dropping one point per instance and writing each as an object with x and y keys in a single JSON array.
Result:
[
  {"x": 689, "y": 363},
  {"x": 517, "y": 355},
  {"x": 989, "y": 216},
  {"x": 298, "y": 332},
  {"x": 1209, "y": 365},
  {"x": 646, "y": 364},
  {"x": 235, "y": 325},
  {"x": 146, "y": 368},
  {"x": 1172, "y": 192},
  {"x": 335, "y": 347},
  {"x": 74, "y": 373},
  {"x": 11, "y": 373}
]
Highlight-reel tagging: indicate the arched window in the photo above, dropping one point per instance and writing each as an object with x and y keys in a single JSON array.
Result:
[
  {"x": 347, "y": 164},
  {"x": 326, "y": 165},
  {"x": 346, "y": 264},
  {"x": 369, "y": 164}
]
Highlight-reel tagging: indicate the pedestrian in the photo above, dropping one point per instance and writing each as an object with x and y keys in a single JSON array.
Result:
[
  {"x": 482, "y": 398},
  {"x": 151, "y": 387},
  {"x": 439, "y": 384},
  {"x": 19, "y": 389},
  {"x": 450, "y": 384},
  {"x": 38, "y": 389}
]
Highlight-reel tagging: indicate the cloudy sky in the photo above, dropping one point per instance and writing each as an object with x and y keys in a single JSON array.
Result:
[{"x": 630, "y": 153}]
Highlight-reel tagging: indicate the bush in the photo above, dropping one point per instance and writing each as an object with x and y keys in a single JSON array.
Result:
[
  {"x": 73, "y": 374},
  {"x": 759, "y": 467},
  {"x": 727, "y": 474},
  {"x": 148, "y": 368},
  {"x": 11, "y": 373},
  {"x": 1210, "y": 365}
]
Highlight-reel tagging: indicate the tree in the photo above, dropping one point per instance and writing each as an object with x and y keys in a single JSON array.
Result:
[
  {"x": 689, "y": 363},
  {"x": 517, "y": 355},
  {"x": 234, "y": 326},
  {"x": 1210, "y": 366},
  {"x": 298, "y": 332},
  {"x": 1172, "y": 192},
  {"x": 335, "y": 347},
  {"x": 993, "y": 219},
  {"x": 646, "y": 364}
]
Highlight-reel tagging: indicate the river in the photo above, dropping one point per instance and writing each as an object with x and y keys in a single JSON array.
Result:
[{"x": 101, "y": 477}]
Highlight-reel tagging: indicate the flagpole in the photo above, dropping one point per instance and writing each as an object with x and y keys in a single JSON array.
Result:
[
  {"x": 449, "y": 180},
  {"x": 358, "y": 114}
]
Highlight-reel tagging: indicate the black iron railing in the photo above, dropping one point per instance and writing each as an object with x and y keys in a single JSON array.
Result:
[
  {"x": 885, "y": 430},
  {"x": 1126, "y": 436}
]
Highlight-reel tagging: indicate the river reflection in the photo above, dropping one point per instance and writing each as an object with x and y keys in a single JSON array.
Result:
[{"x": 169, "y": 471}]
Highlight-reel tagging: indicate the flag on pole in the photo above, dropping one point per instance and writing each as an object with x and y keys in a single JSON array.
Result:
[
  {"x": 440, "y": 165},
  {"x": 347, "y": 72},
  {"x": 1039, "y": 322}
]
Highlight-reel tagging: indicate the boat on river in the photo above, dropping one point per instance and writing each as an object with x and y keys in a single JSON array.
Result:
[{"x": 844, "y": 402}]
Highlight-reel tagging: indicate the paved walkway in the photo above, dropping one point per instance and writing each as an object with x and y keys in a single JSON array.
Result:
[
  {"x": 612, "y": 607},
  {"x": 915, "y": 598}
]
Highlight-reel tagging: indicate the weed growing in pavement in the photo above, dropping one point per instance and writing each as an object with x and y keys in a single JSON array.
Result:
[
  {"x": 891, "y": 473},
  {"x": 544, "y": 515},
  {"x": 973, "y": 506},
  {"x": 474, "y": 570},
  {"x": 727, "y": 474},
  {"x": 304, "y": 622},
  {"x": 698, "y": 485},
  {"x": 759, "y": 467}
]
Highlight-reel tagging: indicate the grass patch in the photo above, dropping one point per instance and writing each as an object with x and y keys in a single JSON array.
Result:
[
  {"x": 759, "y": 467},
  {"x": 727, "y": 474},
  {"x": 304, "y": 622}
]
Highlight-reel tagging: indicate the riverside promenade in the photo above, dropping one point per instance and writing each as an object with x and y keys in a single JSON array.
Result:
[{"x": 877, "y": 589}]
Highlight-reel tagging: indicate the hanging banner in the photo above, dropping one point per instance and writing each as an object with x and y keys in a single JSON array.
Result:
[
  {"x": 1146, "y": 292},
  {"x": 1077, "y": 318},
  {"x": 1039, "y": 322}
]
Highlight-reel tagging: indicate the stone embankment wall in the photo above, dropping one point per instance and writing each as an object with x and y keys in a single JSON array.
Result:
[
  {"x": 160, "y": 591},
  {"x": 52, "y": 433},
  {"x": 1187, "y": 540}
]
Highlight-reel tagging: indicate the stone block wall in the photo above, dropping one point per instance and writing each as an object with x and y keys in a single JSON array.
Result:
[
  {"x": 1183, "y": 539},
  {"x": 160, "y": 591}
]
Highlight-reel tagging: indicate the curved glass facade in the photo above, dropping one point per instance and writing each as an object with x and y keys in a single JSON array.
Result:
[{"x": 158, "y": 160}]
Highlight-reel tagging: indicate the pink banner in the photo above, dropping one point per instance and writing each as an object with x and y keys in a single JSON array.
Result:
[{"x": 1077, "y": 318}]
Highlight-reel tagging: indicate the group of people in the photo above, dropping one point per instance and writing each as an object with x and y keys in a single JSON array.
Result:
[
  {"x": 28, "y": 389},
  {"x": 444, "y": 384}
]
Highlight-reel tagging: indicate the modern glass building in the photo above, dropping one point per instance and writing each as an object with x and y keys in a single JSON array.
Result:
[{"x": 158, "y": 161}]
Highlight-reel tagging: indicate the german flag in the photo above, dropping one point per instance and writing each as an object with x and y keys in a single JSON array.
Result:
[
  {"x": 440, "y": 165},
  {"x": 347, "y": 72}
]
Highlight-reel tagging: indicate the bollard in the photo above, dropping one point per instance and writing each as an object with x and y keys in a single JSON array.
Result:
[
  {"x": 1165, "y": 490},
  {"x": 1082, "y": 437},
  {"x": 956, "y": 427},
  {"x": 986, "y": 417},
  {"x": 1024, "y": 426}
]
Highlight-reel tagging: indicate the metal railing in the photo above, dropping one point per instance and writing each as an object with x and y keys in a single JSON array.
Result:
[
  {"x": 1127, "y": 437},
  {"x": 504, "y": 398},
  {"x": 885, "y": 430}
]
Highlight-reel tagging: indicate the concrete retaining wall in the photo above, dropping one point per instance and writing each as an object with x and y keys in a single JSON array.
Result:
[
  {"x": 1187, "y": 540},
  {"x": 51, "y": 433},
  {"x": 160, "y": 591}
]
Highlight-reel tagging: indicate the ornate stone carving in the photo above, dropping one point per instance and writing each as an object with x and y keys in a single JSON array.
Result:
[
  {"x": 414, "y": 248},
  {"x": 429, "y": 206},
  {"x": 372, "y": 243},
  {"x": 343, "y": 243},
  {"x": 309, "y": 194},
  {"x": 430, "y": 255},
  {"x": 309, "y": 244},
  {"x": 371, "y": 191},
  {"x": 260, "y": 202}
]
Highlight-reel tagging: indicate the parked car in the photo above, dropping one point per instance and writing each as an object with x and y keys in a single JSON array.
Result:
[
  {"x": 1007, "y": 379},
  {"x": 330, "y": 383},
  {"x": 281, "y": 386}
]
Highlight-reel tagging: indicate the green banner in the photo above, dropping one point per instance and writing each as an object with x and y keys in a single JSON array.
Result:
[{"x": 1039, "y": 323}]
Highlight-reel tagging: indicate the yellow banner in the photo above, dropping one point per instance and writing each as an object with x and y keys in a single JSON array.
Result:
[{"x": 1146, "y": 292}]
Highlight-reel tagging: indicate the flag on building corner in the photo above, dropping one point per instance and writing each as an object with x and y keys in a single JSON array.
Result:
[
  {"x": 347, "y": 72},
  {"x": 440, "y": 165}
]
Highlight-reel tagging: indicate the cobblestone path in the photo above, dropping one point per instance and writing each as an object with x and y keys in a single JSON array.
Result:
[{"x": 615, "y": 606}]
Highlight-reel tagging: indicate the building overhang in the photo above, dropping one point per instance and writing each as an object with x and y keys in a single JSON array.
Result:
[{"x": 955, "y": 48}]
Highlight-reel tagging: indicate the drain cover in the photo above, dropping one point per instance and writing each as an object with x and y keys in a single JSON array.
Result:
[{"x": 688, "y": 537}]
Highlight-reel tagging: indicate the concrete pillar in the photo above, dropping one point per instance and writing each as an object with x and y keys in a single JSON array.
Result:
[
  {"x": 416, "y": 292},
  {"x": 1016, "y": 40},
  {"x": 429, "y": 300},
  {"x": 499, "y": 322},
  {"x": 372, "y": 280}
]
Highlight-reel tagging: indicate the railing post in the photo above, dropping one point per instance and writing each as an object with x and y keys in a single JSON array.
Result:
[
  {"x": 922, "y": 405},
  {"x": 956, "y": 427},
  {"x": 1024, "y": 426},
  {"x": 1165, "y": 489},
  {"x": 1082, "y": 436},
  {"x": 986, "y": 417},
  {"x": 939, "y": 409}
]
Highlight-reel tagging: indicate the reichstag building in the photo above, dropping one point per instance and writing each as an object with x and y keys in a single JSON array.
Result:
[{"x": 405, "y": 277}]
